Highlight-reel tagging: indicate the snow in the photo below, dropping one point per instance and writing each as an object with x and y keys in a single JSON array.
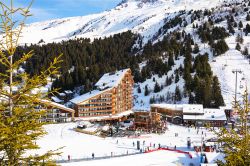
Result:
[
  {"x": 141, "y": 17},
  {"x": 159, "y": 158},
  {"x": 79, "y": 145},
  {"x": 56, "y": 99},
  {"x": 110, "y": 80}
]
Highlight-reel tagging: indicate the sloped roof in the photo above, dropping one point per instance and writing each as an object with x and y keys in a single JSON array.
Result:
[
  {"x": 88, "y": 95},
  {"x": 112, "y": 79},
  {"x": 56, "y": 105}
]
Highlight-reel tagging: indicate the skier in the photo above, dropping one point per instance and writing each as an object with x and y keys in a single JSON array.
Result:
[{"x": 93, "y": 155}]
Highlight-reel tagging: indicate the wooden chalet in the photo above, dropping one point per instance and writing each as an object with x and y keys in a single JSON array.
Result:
[
  {"x": 148, "y": 121},
  {"x": 55, "y": 112}
]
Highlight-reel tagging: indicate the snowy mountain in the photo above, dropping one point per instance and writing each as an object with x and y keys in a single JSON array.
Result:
[
  {"x": 149, "y": 18},
  {"x": 145, "y": 17}
]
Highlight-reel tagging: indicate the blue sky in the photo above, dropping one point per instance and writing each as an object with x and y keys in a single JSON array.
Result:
[{"x": 50, "y": 9}]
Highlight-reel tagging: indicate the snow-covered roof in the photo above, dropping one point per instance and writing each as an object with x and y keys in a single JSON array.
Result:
[
  {"x": 112, "y": 79},
  {"x": 209, "y": 114},
  {"x": 107, "y": 117},
  {"x": 56, "y": 105},
  {"x": 56, "y": 99},
  {"x": 214, "y": 156},
  {"x": 62, "y": 94},
  {"x": 68, "y": 91},
  {"x": 88, "y": 95},
  {"x": 178, "y": 107},
  {"x": 192, "y": 109}
]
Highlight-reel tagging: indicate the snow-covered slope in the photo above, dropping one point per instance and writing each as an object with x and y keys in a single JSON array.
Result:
[{"x": 141, "y": 16}]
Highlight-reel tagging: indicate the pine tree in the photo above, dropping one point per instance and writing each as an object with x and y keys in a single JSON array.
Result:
[
  {"x": 139, "y": 89},
  {"x": 248, "y": 17},
  {"x": 19, "y": 120},
  {"x": 170, "y": 61},
  {"x": 239, "y": 39},
  {"x": 177, "y": 77},
  {"x": 236, "y": 145},
  {"x": 245, "y": 52},
  {"x": 237, "y": 47},
  {"x": 196, "y": 49},
  {"x": 240, "y": 24},
  {"x": 177, "y": 94},
  {"x": 146, "y": 92},
  {"x": 217, "y": 99},
  {"x": 157, "y": 88}
]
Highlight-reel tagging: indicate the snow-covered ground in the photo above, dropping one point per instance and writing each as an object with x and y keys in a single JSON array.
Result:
[
  {"x": 79, "y": 145},
  {"x": 159, "y": 158}
]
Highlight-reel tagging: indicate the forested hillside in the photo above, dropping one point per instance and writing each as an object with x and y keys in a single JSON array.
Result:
[{"x": 173, "y": 66}]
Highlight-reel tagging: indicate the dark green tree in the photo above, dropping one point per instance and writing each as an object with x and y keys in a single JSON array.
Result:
[
  {"x": 146, "y": 91},
  {"x": 157, "y": 88}
]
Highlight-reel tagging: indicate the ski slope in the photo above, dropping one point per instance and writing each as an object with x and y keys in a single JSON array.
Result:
[
  {"x": 79, "y": 145},
  {"x": 223, "y": 68}
]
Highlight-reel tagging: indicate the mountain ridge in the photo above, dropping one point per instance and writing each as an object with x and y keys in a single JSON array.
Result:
[{"x": 131, "y": 15}]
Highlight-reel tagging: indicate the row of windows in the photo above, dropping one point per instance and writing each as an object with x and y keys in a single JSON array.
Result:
[
  {"x": 95, "y": 114},
  {"x": 101, "y": 100},
  {"x": 96, "y": 105},
  {"x": 95, "y": 109}
]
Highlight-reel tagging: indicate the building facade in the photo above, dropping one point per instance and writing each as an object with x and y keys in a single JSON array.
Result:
[
  {"x": 191, "y": 114},
  {"x": 55, "y": 113},
  {"x": 112, "y": 96},
  {"x": 148, "y": 121},
  {"x": 172, "y": 113}
]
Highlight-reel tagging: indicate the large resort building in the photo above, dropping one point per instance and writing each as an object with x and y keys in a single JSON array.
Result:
[{"x": 112, "y": 98}]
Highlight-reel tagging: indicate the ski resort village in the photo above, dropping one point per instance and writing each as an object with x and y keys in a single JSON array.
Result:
[{"x": 143, "y": 83}]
